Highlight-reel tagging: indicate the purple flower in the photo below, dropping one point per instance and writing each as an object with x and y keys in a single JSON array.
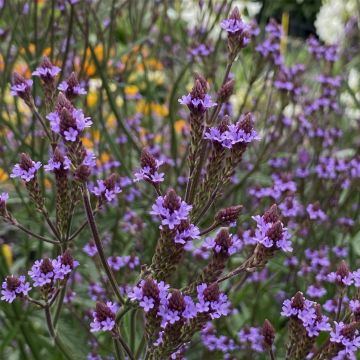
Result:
[
  {"x": 71, "y": 87},
  {"x": 104, "y": 317},
  {"x": 90, "y": 249},
  {"x": 356, "y": 277},
  {"x": 58, "y": 162},
  {"x": 149, "y": 169},
  {"x": 63, "y": 265},
  {"x": 199, "y": 104},
  {"x": 346, "y": 335},
  {"x": 212, "y": 301},
  {"x": 150, "y": 294},
  {"x": 21, "y": 87},
  {"x": 107, "y": 189},
  {"x": 171, "y": 209},
  {"x": 26, "y": 169},
  {"x": 14, "y": 287},
  {"x": 186, "y": 232},
  {"x": 342, "y": 277},
  {"x": 315, "y": 213},
  {"x": 46, "y": 71},
  {"x": 252, "y": 337},
  {"x": 42, "y": 272}
]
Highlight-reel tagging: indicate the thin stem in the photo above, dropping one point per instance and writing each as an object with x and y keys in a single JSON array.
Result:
[
  {"x": 42, "y": 122},
  {"x": 29, "y": 232},
  {"x": 339, "y": 306},
  {"x": 271, "y": 353},
  {"x": 51, "y": 225},
  {"x": 118, "y": 353},
  {"x": 53, "y": 334},
  {"x": 125, "y": 346},
  {"x": 59, "y": 305},
  {"x": 99, "y": 246},
  {"x": 210, "y": 228}
]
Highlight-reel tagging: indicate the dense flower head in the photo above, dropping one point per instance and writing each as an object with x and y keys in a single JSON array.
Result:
[
  {"x": 186, "y": 232},
  {"x": 150, "y": 294},
  {"x": 242, "y": 132},
  {"x": 224, "y": 244},
  {"x": 251, "y": 337},
  {"x": 211, "y": 301},
  {"x": 107, "y": 189},
  {"x": 308, "y": 312},
  {"x": 71, "y": 87},
  {"x": 213, "y": 342},
  {"x": 104, "y": 317},
  {"x": 171, "y": 209},
  {"x": 346, "y": 336},
  {"x": 67, "y": 120},
  {"x": 176, "y": 307},
  {"x": 26, "y": 169},
  {"x": 118, "y": 262},
  {"x": 149, "y": 169},
  {"x": 46, "y": 71},
  {"x": 270, "y": 231},
  {"x": 46, "y": 272},
  {"x": 21, "y": 87},
  {"x": 197, "y": 100},
  {"x": 58, "y": 162},
  {"x": 322, "y": 52},
  {"x": 315, "y": 213},
  {"x": 13, "y": 287},
  {"x": 228, "y": 216},
  {"x": 342, "y": 277}
]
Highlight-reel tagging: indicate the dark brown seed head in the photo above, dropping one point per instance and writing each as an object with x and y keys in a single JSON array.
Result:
[
  {"x": 298, "y": 301},
  {"x": 17, "y": 79},
  {"x": 224, "y": 124},
  {"x": 197, "y": 91},
  {"x": 67, "y": 259},
  {"x": 172, "y": 201},
  {"x": 111, "y": 181},
  {"x": 46, "y": 63},
  {"x": 226, "y": 91},
  {"x": 275, "y": 232},
  {"x": 202, "y": 81},
  {"x": 272, "y": 214},
  {"x": 268, "y": 333},
  {"x": 316, "y": 205},
  {"x": 12, "y": 283},
  {"x": 66, "y": 120},
  {"x": 176, "y": 301},
  {"x": 103, "y": 312},
  {"x": 73, "y": 80},
  {"x": 228, "y": 215},
  {"x": 58, "y": 156},
  {"x": 150, "y": 289},
  {"x": 63, "y": 102},
  {"x": 246, "y": 123},
  {"x": 223, "y": 240},
  {"x": 343, "y": 269},
  {"x": 82, "y": 173},
  {"x": 147, "y": 160},
  {"x": 212, "y": 292},
  {"x": 25, "y": 162},
  {"x": 349, "y": 330},
  {"x": 235, "y": 14},
  {"x": 46, "y": 266}
]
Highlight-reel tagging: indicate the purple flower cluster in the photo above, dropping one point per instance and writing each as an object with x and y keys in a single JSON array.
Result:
[
  {"x": 347, "y": 337},
  {"x": 149, "y": 169},
  {"x": 315, "y": 213},
  {"x": 251, "y": 337},
  {"x": 48, "y": 271},
  {"x": 308, "y": 312},
  {"x": 58, "y": 162},
  {"x": 118, "y": 262},
  {"x": 223, "y": 243},
  {"x": 240, "y": 133},
  {"x": 271, "y": 232},
  {"x": 216, "y": 343},
  {"x": 107, "y": 189},
  {"x": 104, "y": 317},
  {"x": 71, "y": 87},
  {"x": 14, "y": 287},
  {"x": 171, "y": 209},
  {"x": 21, "y": 87},
  {"x": 90, "y": 249},
  {"x": 26, "y": 169},
  {"x": 322, "y": 52},
  {"x": 46, "y": 71}
]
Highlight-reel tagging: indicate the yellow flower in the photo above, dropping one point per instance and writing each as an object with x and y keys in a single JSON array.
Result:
[
  {"x": 3, "y": 175},
  {"x": 87, "y": 143},
  {"x": 180, "y": 125},
  {"x": 91, "y": 98},
  {"x": 7, "y": 252},
  {"x": 131, "y": 90}
]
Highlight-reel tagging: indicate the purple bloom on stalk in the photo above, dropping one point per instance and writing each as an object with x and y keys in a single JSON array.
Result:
[
  {"x": 26, "y": 169},
  {"x": 46, "y": 71},
  {"x": 342, "y": 277},
  {"x": 171, "y": 209},
  {"x": 71, "y": 87},
  {"x": 107, "y": 189},
  {"x": 242, "y": 131},
  {"x": 42, "y": 272},
  {"x": 271, "y": 232},
  {"x": 223, "y": 243},
  {"x": 315, "y": 213},
  {"x": 63, "y": 265},
  {"x": 212, "y": 301},
  {"x": 150, "y": 294},
  {"x": 14, "y": 287},
  {"x": 356, "y": 277},
  {"x": 346, "y": 335},
  {"x": 201, "y": 104},
  {"x": 149, "y": 169},
  {"x": 233, "y": 24},
  {"x": 186, "y": 233},
  {"x": 58, "y": 162},
  {"x": 104, "y": 317},
  {"x": 90, "y": 249},
  {"x": 21, "y": 87}
]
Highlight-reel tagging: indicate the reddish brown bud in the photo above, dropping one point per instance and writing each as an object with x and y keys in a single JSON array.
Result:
[
  {"x": 298, "y": 301},
  {"x": 147, "y": 160},
  {"x": 176, "y": 301},
  {"x": 202, "y": 81},
  {"x": 343, "y": 269},
  {"x": 67, "y": 259},
  {"x": 103, "y": 312},
  {"x": 226, "y": 91},
  {"x": 275, "y": 232},
  {"x": 224, "y": 124},
  {"x": 66, "y": 120},
  {"x": 111, "y": 181},
  {"x": 272, "y": 214},
  {"x": 82, "y": 173},
  {"x": 212, "y": 292},
  {"x": 172, "y": 201},
  {"x": 349, "y": 330},
  {"x": 25, "y": 161},
  {"x": 150, "y": 289},
  {"x": 63, "y": 102},
  {"x": 223, "y": 240},
  {"x": 12, "y": 283},
  {"x": 235, "y": 14},
  {"x": 228, "y": 215},
  {"x": 268, "y": 333},
  {"x": 247, "y": 122},
  {"x": 46, "y": 266},
  {"x": 198, "y": 91}
]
